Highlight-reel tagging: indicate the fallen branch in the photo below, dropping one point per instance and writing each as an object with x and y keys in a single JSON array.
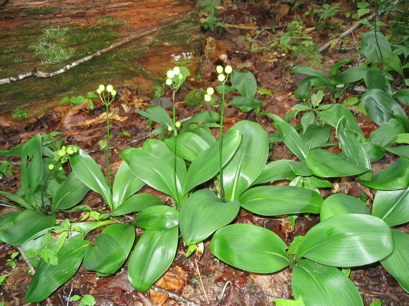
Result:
[
  {"x": 174, "y": 296},
  {"x": 42, "y": 74},
  {"x": 346, "y": 33}
]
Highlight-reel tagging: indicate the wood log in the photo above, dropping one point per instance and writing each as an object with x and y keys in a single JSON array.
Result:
[{"x": 173, "y": 35}]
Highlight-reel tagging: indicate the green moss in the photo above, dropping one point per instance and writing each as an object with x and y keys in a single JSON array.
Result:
[{"x": 195, "y": 98}]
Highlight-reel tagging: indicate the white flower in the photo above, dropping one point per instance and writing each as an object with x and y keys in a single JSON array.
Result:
[
  {"x": 219, "y": 69},
  {"x": 221, "y": 77},
  {"x": 170, "y": 74},
  {"x": 168, "y": 82},
  {"x": 101, "y": 88},
  {"x": 210, "y": 91},
  {"x": 228, "y": 69},
  {"x": 110, "y": 88},
  {"x": 113, "y": 93},
  {"x": 178, "y": 124},
  {"x": 176, "y": 70},
  {"x": 208, "y": 98}
]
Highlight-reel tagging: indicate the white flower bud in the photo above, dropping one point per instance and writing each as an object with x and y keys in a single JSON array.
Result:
[
  {"x": 168, "y": 82},
  {"x": 178, "y": 124},
  {"x": 176, "y": 70},
  {"x": 221, "y": 77},
  {"x": 208, "y": 98},
  {"x": 170, "y": 74},
  {"x": 170, "y": 128},
  {"x": 210, "y": 91},
  {"x": 101, "y": 88},
  {"x": 219, "y": 69},
  {"x": 228, "y": 69},
  {"x": 113, "y": 93},
  {"x": 110, "y": 88}
]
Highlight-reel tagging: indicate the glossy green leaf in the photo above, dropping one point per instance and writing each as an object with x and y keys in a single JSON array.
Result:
[
  {"x": 392, "y": 62},
  {"x": 158, "y": 217},
  {"x": 49, "y": 277},
  {"x": 381, "y": 107},
  {"x": 392, "y": 206},
  {"x": 322, "y": 285},
  {"x": 335, "y": 68},
  {"x": 31, "y": 166},
  {"x": 15, "y": 198},
  {"x": 248, "y": 162},
  {"x": 207, "y": 164},
  {"x": 347, "y": 240},
  {"x": 24, "y": 225},
  {"x": 203, "y": 213},
  {"x": 351, "y": 75},
  {"x": 71, "y": 191},
  {"x": 244, "y": 82},
  {"x": 303, "y": 90},
  {"x": 325, "y": 163},
  {"x": 385, "y": 135},
  {"x": 250, "y": 248},
  {"x": 375, "y": 79},
  {"x": 125, "y": 185},
  {"x": 280, "y": 200},
  {"x": 151, "y": 257},
  {"x": 396, "y": 176},
  {"x": 158, "y": 114},
  {"x": 82, "y": 229},
  {"x": 111, "y": 249},
  {"x": 402, "y": 151},
  {"x": 89, "y": 172},
  {"x": 402, "y": 95},
  {"x": 135, "y": 203},
  {"x": 302, "y": 69},
  {"x": 291, "y": 138},
  {"x": 188, "y": 145},
  {"x": 398, "y": 262},
  {"x": 275, "y": 171},
  {"x": 374, "y": 45},
  {"x": 316, "y": 136},
  {"x": 374, "y": 152},
  {"x": 333, "y": 114},
  {"x": 151, "y": 167},
  {"x": 339, "y": 203}
]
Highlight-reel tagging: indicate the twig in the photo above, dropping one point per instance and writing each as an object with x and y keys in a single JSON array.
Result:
[
  {"x": 201, "y": 283},
  {"x": 174, "y": 296},
  {"x": 346, "y": 33}
]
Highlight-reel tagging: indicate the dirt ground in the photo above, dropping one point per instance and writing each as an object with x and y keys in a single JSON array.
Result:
[{"x": 245, "y": 43}]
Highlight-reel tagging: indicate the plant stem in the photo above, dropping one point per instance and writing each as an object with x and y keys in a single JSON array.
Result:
[
  {"x": 108, "y": 137},
  {"x": 222, "y": 195}
]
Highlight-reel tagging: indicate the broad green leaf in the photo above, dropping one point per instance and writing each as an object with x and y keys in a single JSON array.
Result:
[
  {"x": 392, "y": 206},
  {"x": 316, "y": 136},
  {"x": 112, "y": 248},
  {"x": 16, "y": 151},
  {"x": 302, "y": 69},
  {"x": 71, "y": 191},
  {"x": 322, "y": 285},
  {"x": 338, "y": 203},
  {"x": 151, "y": 167},
  {"x": 375, "y": 79},
  {"x": 352, "y": 148},
  {"x": 325, "y": 163},
  {"x": 49, "y": 277},
  {"x": 151, "y": 257},
  {"x": 207, "y": 164},
  {"x": 351, "y": 75},
  {"x": 335, "y": 68},
  {"x": 188, "y": 145},
  {"x": 307, "y": 120},
  {"x": 82, "y": 229},
  {"x": 244, "y": 82},
  {"x": 158, "y": 217},
  {"x": 402, "y": 151},
  {"x": 291, "y": 138},
  {"x": 374, "y": 45},
  {"x": 31, "y": 166},
  {"x": 15, "y": 198},
  {"x": 280, "y": 200},
  {"x": 89, "y": 172},
  {"x": 250, "y": 248},
  {"x": 385, "y": 135},
  {"x": 202, "y": 214},
  {"x": 22, "y": 226},
  {"x": 275, "y": 171},
  {"x": 135, "y": 203},
  {"x": 374, "y": 152},
  {"x": 248, "y": 162},
  {"x": 303, "y": 90},
  {"x": 402, "y": 95},
  {"x": 347, "y": 240},
  {"x": 125, "y": 185},
  {"x": 392, "y": 62},
  {"x": 158, "y": 114},
  {"x": 398, "y": 262},
  {"x": 396, "y": 176},
  {"x": 381, "y": 107},
  {"x": 246, "y": 104},
  {"x": 333, "y": 114}
]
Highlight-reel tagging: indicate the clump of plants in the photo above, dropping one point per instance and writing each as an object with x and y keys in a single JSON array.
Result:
[{"x": 195, "y": 98}]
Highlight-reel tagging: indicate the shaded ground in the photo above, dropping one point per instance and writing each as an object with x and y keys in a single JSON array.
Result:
[{"x": 245, "y": 44}]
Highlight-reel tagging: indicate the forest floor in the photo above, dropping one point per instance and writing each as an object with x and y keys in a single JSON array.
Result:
[{"x": 245, "y": 43}]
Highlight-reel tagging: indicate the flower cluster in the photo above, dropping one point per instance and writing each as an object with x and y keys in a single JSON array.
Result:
[
  {"x": 61, "y": 155},
  {"x": 109, "y": 97},
  {"x": 223, "y": 74},
  {"x": 174, "y": 78}
]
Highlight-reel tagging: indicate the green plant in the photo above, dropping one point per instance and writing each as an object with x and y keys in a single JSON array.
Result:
[
  {"x": 86, "y": 300},
  {"x": 107, "y": 98},
  {"x": 209, "y": 19},
  {"x": 194, "y": 98},
  {"x": 6, "y": 169},
  {"x": 11, "y": 261},
  {"x": 51, "y": 47},
  {"x": 80, "y": 99},
  {"x": 19, "y": 113},
  {"x": 325, "y": 12}
]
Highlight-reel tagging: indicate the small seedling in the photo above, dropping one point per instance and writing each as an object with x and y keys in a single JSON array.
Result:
[
  {"x": 11, "y": 262},
  {"x": 86, "y": 300},
  {"x": 20, "y": 114}
]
